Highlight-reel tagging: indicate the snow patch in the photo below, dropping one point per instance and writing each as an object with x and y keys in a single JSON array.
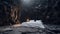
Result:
[{"x": 32, "y": 23}]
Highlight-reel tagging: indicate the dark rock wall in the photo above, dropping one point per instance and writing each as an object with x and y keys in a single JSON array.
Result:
[
  {"x": 46, "y": 10},
  {"x": 4, "y": 12},
  {"x": 6, "y": 7}
]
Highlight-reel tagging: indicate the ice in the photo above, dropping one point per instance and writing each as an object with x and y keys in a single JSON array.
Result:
[{"x": 32, "y": 23}]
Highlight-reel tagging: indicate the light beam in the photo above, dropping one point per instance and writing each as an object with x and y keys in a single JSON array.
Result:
[{"x": 27, "y": 2}]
